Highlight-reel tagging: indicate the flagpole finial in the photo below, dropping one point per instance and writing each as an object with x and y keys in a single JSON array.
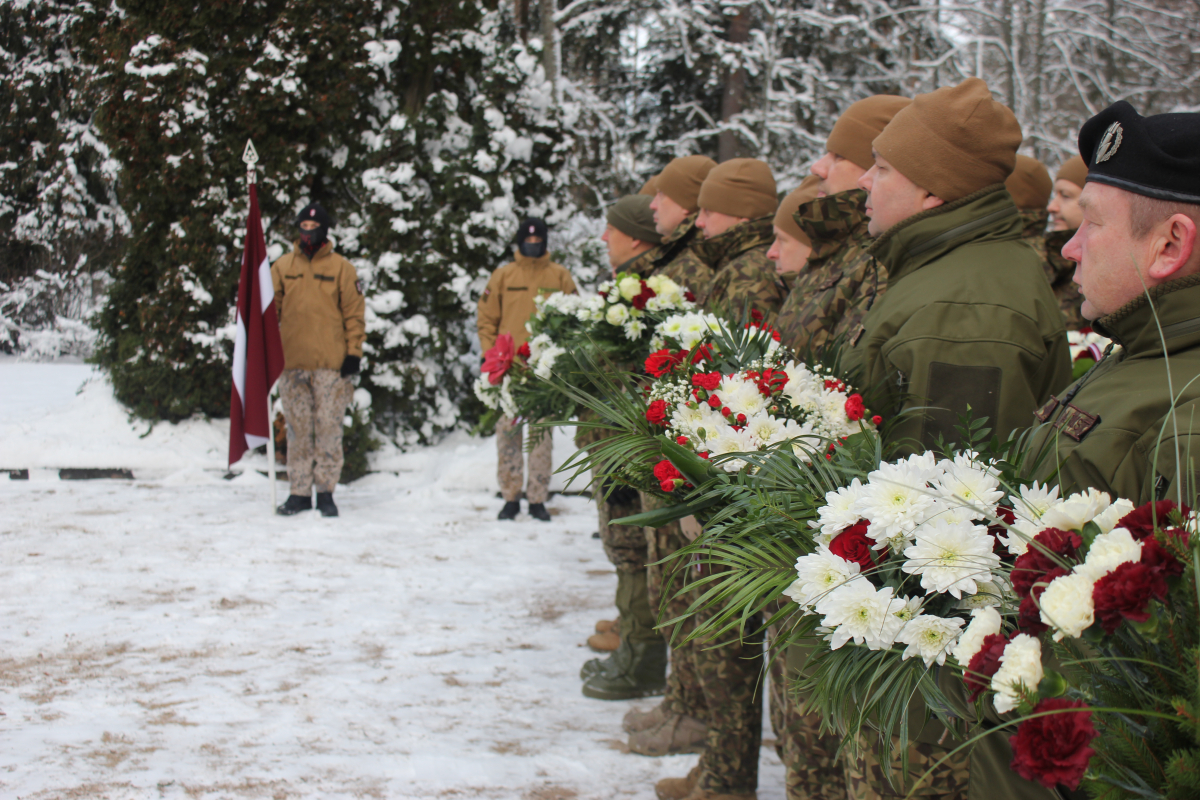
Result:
[{"x": 250, "y": 157}]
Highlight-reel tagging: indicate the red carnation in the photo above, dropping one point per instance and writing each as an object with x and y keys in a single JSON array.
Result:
[
  {"x": 714, "y": 401},
  {"x": 834, "y": 385},
  {"x": 660, "y": 362},
  {"x": 855, "y": 409},
  {"x": 1036, "y": 561},
  {"x": 702, "y": 353},
  {"x": 1055, "y": 748},
  {"x": 984, "y": 664},
  {"x": 1008, "y": 517},
  {"x": 498, "y": 359},
  {"x": 657, "y": 412},
  {"x": 741, "y": 418},
  {"x": 687, "y": 295},
  {"x": 1158, "y": 558},
  {"x": 1029, "y": 615},
  {"x": 639, "y": 301},
  {"x": 771, "y": 381},
  {"x": 1125, "y": 593},
  {"x": 877, "y": 419},
  {"x": 681, "y": 440},
  {"x": 725, "y": 412},
  {"x": 707, "y": 380},
  {"x": 523, "y": 350},
  {"x": 665, "y": 471},
  {"x": 1140, "y": 521},
  {"x": 854, "y": 545},
  {"x": 756, "y": 315}
]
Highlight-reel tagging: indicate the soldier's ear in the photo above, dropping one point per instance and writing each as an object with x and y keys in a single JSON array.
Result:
[{"x": 1173, "y": 249}]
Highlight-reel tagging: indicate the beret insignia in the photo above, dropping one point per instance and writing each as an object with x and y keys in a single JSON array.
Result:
[{"x": 1109, "y": 143}]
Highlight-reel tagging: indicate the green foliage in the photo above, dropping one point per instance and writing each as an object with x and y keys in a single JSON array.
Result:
[{"x": 358, "y": 442}]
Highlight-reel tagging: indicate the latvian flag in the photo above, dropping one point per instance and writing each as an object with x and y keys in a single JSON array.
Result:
[{"x": 257, "y": 348}]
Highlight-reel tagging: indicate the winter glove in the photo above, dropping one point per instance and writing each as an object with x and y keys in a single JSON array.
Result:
[{"x": 350, "y": 366}]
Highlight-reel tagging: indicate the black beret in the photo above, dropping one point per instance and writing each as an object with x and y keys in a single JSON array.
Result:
[
  {"x": 531, "y": 227},
  {"x": 1156, "y": 156},
  {"x": 315, "y": 212}
]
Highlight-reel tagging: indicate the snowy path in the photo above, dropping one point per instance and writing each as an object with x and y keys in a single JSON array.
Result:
[{"x": 172, "y": 638}]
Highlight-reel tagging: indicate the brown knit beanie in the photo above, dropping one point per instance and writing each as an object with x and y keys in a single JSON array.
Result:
[
  {"x": 859, "y": 124},
  {"x": 681, "y": 180},
  {"x": 785, "y": 217},
  {"x": 650, "y": 187},
  {"x": 632, "y": 216},
  {"x": 953, "y": 141},
  {"x": 1030, "y": 183},
  {"x": 1074, "y": 170},
  {"x": 740, "y": 187}
]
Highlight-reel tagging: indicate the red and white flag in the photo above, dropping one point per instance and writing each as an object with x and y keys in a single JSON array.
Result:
[{"x": 257, "y": 348}]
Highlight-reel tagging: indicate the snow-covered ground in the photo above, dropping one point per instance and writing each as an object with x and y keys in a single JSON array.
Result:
[{"x": 171, "y": 637}]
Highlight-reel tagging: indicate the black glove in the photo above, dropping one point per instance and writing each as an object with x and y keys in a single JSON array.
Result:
[{"x": 350, "y": 366}]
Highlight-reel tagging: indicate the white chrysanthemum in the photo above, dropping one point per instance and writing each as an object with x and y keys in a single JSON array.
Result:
[
  {"x": 1066, "y": 605},
  {"x": 951, "y": 557},
  {"x": 909, "y": 609},
  {"x": 896, "y": 500},
  {"x": 538, "y": 345},
  {"x": 988, "y": 594},
  {"x": 984, "y": 623},
  {"x": 486, "y": 392},
  {"x": 545, "y": 362},
  {"x": 616, "y": 315},
  {"x": 747, "y": 400},
  {"x": 688, "y": 419},
  {"x": 634, "y": 329},
  {"x": 764, "y": 428},
  {"x": 693, "y": 332},
  {"x": 1034, "y": 501},
  {"x": 1108, "y": 519},
  {"x": 661, "y": 284},
  {"x": 964, "y": 480},
  {"x": 930, "y": 637},
  {"x": 819, "y": 573},
  {"x": 858, "y": 611},
  {"x": 731, "y": 441},
  {"x": 672, "y": 326},
  {"x": 630, "y": 287},
  {"x": 953, "y": 511},
  {"x": 1109, "y": 551},
  {"x": 1076, "y": 511},
  {"x": 840, "y": 510},
  {"x": 1020, "y": 666}
]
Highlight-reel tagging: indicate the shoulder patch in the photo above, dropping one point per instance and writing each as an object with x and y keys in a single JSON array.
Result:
[
  {"x": 358, "y": 285},
  {"x": 1076, "y": 423}
]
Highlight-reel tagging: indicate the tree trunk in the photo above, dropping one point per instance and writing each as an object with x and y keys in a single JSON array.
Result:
[
  {"x": 521, "y": 12},
  {"x": 1039, "y": 63},
  {"x": 735, "y": 88},
  {"x": 550, "y": 44}
]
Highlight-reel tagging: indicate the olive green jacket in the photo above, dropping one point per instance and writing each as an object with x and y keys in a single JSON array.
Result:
[
  {"x": 968, "y": 320},
  {"x": 840, "y": 282},
  {"x": 744, "y": 278},
  {"x": 682, "y": 261},
  {"x": 1060, "y": 271},
  {"x": 1113, "y": 429}
]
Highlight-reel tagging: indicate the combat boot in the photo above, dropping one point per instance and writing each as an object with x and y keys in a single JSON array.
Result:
[
  {"x": 679, "y": 733},
  {"x": 326, "y": 505},
  {"x": 644, "y": 673},
  {"x": 604, "y": 642},
  {"x": 294, "y": 505},
  {"x": 677, "y": 788},
  {"x": 510, "y": 510},
  {"x": 705, "y": 794},
  {"x": 606, "y": 625},
  {"x": 538, "y": 511},
  {"x": 615, "y": 663},
  {"x": 637, "y": 720}
]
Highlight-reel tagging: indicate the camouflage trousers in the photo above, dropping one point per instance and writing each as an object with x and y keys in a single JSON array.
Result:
[
  {"x": 625, "y": 546},
  {"x": 812, "y": 768},
  {"x": 684, "y": 693},
  {"x": 314, "y": 404},
  {"x": 731, "y": 678},
  {"x": 510, "y": 467},
  {"x": 867, "y": 780}
]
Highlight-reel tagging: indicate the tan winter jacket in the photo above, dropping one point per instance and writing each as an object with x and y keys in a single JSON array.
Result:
[
  {"x": 320, "y": 307},
  {"x": 507, "y": 302}
]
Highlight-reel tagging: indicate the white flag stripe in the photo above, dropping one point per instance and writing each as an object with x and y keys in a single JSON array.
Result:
[
  {"x": 239, "y": 359},
  {"x": 266, "y": 287}
]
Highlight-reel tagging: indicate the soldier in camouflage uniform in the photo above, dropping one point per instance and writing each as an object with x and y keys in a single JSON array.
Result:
[
  {"x": 676, "y": 206},
  {"x": 737, "y": 206},
  {"x": 1065, "y": 216},
  {"x": 840, "y": 282},
  {"x": 638, "y": 667}
]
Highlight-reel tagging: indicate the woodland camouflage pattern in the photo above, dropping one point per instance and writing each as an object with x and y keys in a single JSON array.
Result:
[
  {"x": 643, "y": 265},
  {"x": 686, "y": 265},
  {"x": 744, "y": 277},
  {"x": 314, "y": 403},
  {"x": 866, "y": 779},
  {"x": 510, "y": 470},
  {"x": 840, "y": 282}
]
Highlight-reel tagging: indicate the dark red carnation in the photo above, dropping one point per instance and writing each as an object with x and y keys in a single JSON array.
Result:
[
  {"x": 687, "y": 295},
  {"x": 523, "y": 350},
  {"x": 855, "y": 409},
  {"x": 854, "y": 545},
  {"x": 756, "y": 315},
  {"x": 1055, "y": 748},
  {"x": 1158, "y": 558},
  {"x": 1029, "y": 616},
  {"x": 771, "y": 381},
  {"x": 1036, "y": 561},
  {"x": 1008, "y": 517},
  {"x": 1140, "y": 521},
  {"x": 639, "y": 300},
  {"x": 984, "y": 664},
  {"x": 1125, "y": 594},
  {"x": 707, "y": 380},
  {"x": 657, "y": 412}
]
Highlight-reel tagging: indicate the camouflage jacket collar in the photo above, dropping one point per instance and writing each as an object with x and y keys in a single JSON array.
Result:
[
  {"x": 988, "y": 215},
  {"x": 682, "y": 229},
  {"x": 723, "y": 248},
  {"x": 1034, "y": 221},
  {"x": 832, "y": 220},
  {"x": 1134, "y": 326},
  {"x": 643, "y": 263},
  {"x": 1063, "y": 266}
]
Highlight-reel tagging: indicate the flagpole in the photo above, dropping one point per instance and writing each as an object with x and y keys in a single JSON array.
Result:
[{"x": 250, "y": 157}]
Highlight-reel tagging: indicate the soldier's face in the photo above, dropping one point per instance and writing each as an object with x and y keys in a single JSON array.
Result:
[
  {"x": 667, "y": 214},
  {"x": 1112, "y": 266},
  {"x": 837, "y": 174},
  {"x": 714, "y": 223},
  {"x": 789, "y": 253},
  {"x": 621, "y": 247},
  {"x": 892, "y": 197},
  {"x": 309, "y": 225},
  {"x": 1065, "y": 214}
]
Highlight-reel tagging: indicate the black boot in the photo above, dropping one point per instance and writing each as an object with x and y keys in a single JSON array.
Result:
[
  {"x": 643, "y": 673},
  {"x": 538, "y": 511},
  {"x": 616, "y": 662},
  {"x": 510, "y": 510},
  {"x": 294, "y": 505},
  {"x": 326, "y": 505}
]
